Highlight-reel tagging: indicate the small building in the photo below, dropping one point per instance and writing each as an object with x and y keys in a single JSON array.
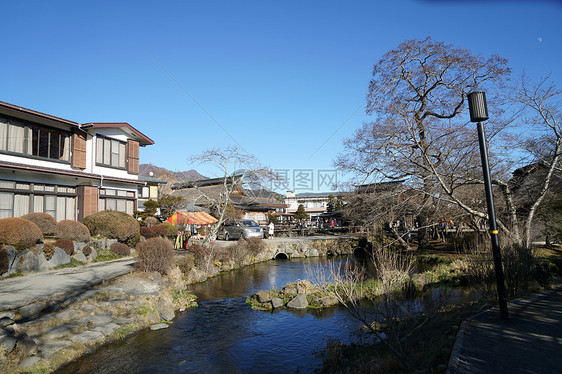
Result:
[
  {"x": 314, "y": 203},
  {"x": 248, "y": 204},
  {"x": 67, "y": 169}
]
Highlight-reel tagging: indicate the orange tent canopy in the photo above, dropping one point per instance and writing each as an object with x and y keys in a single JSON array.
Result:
[{"x": 191, "y": 218}]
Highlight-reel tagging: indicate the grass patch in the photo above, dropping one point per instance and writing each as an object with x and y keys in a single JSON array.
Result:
[
  {"x": 107, "y": 255},
  {"x": 124, "y": 331},
  {"x": 16, "y": 274},
  {"x": 102, "y": 296},
  {"x": 144, "y": 310},
  {"x": 72, "y": 264}
]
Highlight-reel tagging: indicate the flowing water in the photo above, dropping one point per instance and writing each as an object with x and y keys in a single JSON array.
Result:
[{"x": 224, "y": 335}]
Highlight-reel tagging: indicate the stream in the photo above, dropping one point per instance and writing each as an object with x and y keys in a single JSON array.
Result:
[{"x": 224, "y": 335}]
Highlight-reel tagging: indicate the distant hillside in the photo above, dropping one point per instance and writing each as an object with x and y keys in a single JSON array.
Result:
[{"x": 169, "y": 176}]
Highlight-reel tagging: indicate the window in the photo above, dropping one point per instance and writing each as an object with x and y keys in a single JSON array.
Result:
[
  {"x": 19, "y": 137},
  {"x": 110, "y": 152},
  {"x": 21, "y": 200}
]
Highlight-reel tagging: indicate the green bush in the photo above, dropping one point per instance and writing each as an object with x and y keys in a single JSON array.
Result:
[
  {"x": 120, "y": 248},
  {"x": 66, "y": 245},
  {"x": 112, "y": 225},
  {"x": 72, "y": 230},
  {"x": 44, "y": 221},
  {"x": 155, "y": 254},
  {"x": 19, "y": 232}
]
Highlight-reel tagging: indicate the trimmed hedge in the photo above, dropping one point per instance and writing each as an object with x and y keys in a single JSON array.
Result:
[
  {"x": 121, "y": 249},
  {"x": 44, "y": 221},
  {"x": 19, "y": 232},
  {"x": 112, "y": 225},
  {"x": 72, "y": 230},
  {"x": 87, "y": 250},
  {"x": 150, "y": 221},
  {"x": 66, "y": 245}
]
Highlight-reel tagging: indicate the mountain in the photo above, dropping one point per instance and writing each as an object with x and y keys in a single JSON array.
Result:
[{"x": 169, "y": 176}]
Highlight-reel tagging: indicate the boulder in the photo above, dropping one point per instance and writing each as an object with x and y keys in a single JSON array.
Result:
[
  {"x": 166, "y": 309},
  {"x": 263, "y": 297},
  {"x": 312, "y": 252},
  {"x": 7, "y": 344},
  {"x": 79, "y": 256},
  {"x": 159, "y": 326},
  {"x": 32, "y": 310},
  {"x": 29, "y": 262},
  {"x": 26, "y": 346},
  {"x": 6, "y": 321},
  {"x": 30, "y": 361},
  {"x": 12, "y": 263},
  {"x": 299, "y": 302},
  {"x": 60, "y": 257},
  {"x": 93, "y": 255},
  {"x": 290, "y": 290},
  {"x": 42, "y": 263},
  {"x": 276, "y": 303}
]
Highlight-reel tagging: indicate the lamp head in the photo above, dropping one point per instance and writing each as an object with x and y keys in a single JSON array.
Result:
[{"x": 477, "y": 106}]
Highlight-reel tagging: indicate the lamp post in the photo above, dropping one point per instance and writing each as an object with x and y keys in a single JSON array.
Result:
[{"x": 478, "y": 113}]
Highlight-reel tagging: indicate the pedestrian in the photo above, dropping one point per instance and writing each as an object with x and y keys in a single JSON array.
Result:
[{"x": 270, "y": 230}]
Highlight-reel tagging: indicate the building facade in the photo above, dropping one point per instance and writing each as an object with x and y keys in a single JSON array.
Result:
[{"x": 67, "y": 169}]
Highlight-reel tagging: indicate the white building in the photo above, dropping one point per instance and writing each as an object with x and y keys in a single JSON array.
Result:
[{"x": 67, "y": 169}]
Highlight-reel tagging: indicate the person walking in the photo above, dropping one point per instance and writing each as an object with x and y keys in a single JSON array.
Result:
[{"x": 270, "y": 230}]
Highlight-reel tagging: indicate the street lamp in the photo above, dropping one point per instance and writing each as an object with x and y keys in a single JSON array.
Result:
[{"x": 478, "y": 113}]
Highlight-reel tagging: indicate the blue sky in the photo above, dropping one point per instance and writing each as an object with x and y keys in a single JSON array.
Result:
[{"x": 286, "y": 79}]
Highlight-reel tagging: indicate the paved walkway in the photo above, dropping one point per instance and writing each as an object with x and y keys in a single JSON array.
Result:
[
  {"x": 21, "y": 291},
  {"x": 529, "y": 342}
]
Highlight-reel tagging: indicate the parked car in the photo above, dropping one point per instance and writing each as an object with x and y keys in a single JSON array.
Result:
[{"x": 241, "y": 228}]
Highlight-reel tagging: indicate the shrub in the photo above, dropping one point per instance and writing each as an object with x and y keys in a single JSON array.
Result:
[
  {"x": 87, "y": 250},
  {"x": 66, "y": 245},
  {"x": 112, "y": 225},
  {"x": 150, "y": 221},
  {"x": 19, "y": 232},
  {"x": 171, "y": 230},
  {"x": 155, "y": 254},
  {"x": 72, "y": 230},
  {"x": 49, "y": 250},
  {"x": 44, "y": 221},
  {"x": 134, "y": 240},
  {"x": 120, "y": 248},
  {"x": 4, "y": 263},
  {"x": 160, "y": 230},
  {"x": 147, "y": 232}
]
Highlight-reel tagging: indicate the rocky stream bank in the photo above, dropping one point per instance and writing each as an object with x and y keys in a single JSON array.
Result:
[{"x": 44, "y": 335}]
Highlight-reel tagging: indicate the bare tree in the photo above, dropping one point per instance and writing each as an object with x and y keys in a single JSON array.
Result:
[
  {"x": 541, "y": 111},
  {"x": 420, "y": 132},
  {"x": 237, "y": 170},
  {"x": 416, "y": 98}
]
